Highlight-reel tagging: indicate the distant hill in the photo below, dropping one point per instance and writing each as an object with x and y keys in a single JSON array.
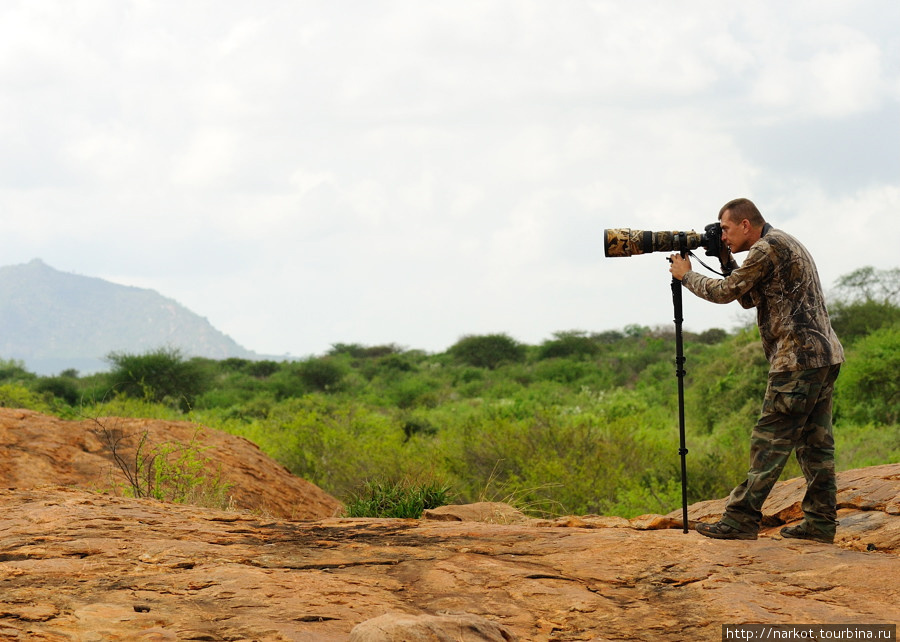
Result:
[{"x": 53, "y": 321}]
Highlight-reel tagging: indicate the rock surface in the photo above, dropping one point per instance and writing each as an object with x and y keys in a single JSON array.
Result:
[
  {"x": 426, "y": 628},
  {"x": 77, "y": 565},
  {"x": 868, "y": 508},
  {"x": 36, "y": 450}
]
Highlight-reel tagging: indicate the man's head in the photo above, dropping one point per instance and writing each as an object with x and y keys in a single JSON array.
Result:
[{"x": 742, "y": 224}]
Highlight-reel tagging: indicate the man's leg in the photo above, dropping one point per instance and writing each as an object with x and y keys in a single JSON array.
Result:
[
  {"x": 815, "y": 453},
  {"x": 790, "y": 399}
]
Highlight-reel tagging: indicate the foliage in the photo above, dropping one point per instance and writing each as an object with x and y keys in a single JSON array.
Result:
[
  {"x": 574, "y": 343},
  {"x": 359, "y": 351},
  {"x": 400, "y": 499},
  {"x": 713, "y": 335},
  {"x": 869, "y": 284},
  {"x": 18, "y": 396},
  {"x": 167, "y": 471},
  {"x": 854, "y": 320},
  {"x": 870, "y": 383},
  {"x": 12, "y": 371},
  {"x": 867, "y": 299},
  {"x": 162, "y": 375},
  {"x": 580, "y": 423},
  {"x": 320, "y": 374},
  {"x": 488, "y": 351},
  {"x": 64, "y": 388}
]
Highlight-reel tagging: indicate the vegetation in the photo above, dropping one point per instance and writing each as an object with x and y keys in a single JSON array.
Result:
[
  {"x": 403, "y": 499},
  {"x": 168, "y": 471},
  {"x": 582, "y": 423}
]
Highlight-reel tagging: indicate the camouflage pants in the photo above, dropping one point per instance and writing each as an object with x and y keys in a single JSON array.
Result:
[{"x": 796, "y": 415}]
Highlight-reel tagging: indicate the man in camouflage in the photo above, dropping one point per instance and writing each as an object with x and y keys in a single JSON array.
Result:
[{"x": 779, "y": 279}]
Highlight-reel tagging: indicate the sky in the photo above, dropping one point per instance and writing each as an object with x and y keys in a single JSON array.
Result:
[{"x": 411, "y": 172}]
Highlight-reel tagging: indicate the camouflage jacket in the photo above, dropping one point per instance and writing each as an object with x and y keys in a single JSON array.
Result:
[{"x": 779, "y": 279}]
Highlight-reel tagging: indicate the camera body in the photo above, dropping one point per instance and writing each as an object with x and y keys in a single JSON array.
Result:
[
  {"x": 628, "y": 242},
  {"x": 712, "y": 239}
]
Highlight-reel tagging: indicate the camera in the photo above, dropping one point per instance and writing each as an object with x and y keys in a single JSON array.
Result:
[{"x": 627, "y": 242}]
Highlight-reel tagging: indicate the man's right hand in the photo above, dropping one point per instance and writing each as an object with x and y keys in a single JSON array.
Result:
[{"x": 727, "y": 260}]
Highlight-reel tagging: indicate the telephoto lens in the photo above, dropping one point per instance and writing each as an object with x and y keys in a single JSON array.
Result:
[{"x": 624, "y": 241}]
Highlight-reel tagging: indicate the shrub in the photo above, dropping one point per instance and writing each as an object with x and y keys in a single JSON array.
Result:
[
  {"x": 868, "y": 299},
  {"x": 359, "y": 351},
  {"x": 304, "y": 377},
  {"x": 17, "y": 396},
  {"x": 168, "y": 471},
  {"x": 262, "y": 369},
  {"x": 574, "y": 343},
  {"x": 12, "y": 371},
  {"x": 852, "y": 321},
  {"x": 399, "y": 499},
  {"x": 488, "y": 351},
  {"x": 64, "y": 388},
  {"x": 563, "y": 370},
  {"x": 868, "y": 389},
  {"x": 320, "y": 374},
  {"x": 411, "y": 392},
  {"x": 159, "y": 376},
  {"x": 712, "y": 336}
]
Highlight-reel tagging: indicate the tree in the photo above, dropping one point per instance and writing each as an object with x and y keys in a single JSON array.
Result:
[
  {"x": 488, "y": 350},
  {"x": 162, "y": 375},
  {"x": 320, "y": 374},
  {"x": 867, "y": 299},
  {"x": 574, "y": 343},
  {"x": 870, "y": 380},
  {"x": 868, "y": 284}
]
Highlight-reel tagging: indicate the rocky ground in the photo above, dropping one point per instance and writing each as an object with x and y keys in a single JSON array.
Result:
[
  {"x": 36, "y": 450},
  {"x": 76, "y": 564}
]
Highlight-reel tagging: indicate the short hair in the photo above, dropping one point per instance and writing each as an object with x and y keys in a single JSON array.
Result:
[{"x": 743, "y": 208}]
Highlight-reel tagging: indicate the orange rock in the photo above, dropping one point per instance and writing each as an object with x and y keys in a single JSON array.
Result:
[
  {"x": 36, "y": 450},
  {"x": 79, "y": 565}
]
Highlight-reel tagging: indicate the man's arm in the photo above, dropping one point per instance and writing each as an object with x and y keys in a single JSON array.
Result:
[{"x": 737, "y": 286}]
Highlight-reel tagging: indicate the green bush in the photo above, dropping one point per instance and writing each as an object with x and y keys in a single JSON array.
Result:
[
  {"x": 18, "y": 396},
  {"x": 262, "y": 369},
  {"x": 400, "y": 499},
  {"x": 162, "y": 375},
  {"x": 853, "y": 321},
  {"x": 574, "y": 343},
  {"x": 728, "y": 387},
  {"x": 63, "y": 388},
  {"x": 320, "y": 374},
  {"x": 488, "y": 351},
  {"x": 868, "y": 299},
  {"x": 563, "y": 370},
  {"x": 868, "y": 389},
  {"x": 583, "y": 423},
  {"x": 14, "y": 371},
  {"x": 359, "y": 351},
  {"x": 712, "y": 336},
  {"x": 168, "y": 471}
]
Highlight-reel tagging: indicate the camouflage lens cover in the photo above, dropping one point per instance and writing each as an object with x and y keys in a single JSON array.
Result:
[{"x": 627, "y": 242}]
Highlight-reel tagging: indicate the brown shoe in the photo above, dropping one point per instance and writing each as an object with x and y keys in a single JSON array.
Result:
[
  {"x": 802, "y": 531},
  {"x": 720, "y": 530}
]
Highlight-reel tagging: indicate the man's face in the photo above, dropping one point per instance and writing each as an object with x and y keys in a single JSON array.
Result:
[{"x": 736, "y": 235}]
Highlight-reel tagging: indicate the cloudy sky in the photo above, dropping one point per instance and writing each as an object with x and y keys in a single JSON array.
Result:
[{"x": 304, "y": 173}]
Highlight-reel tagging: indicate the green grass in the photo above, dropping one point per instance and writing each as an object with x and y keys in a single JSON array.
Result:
[{"x": 399, "y": 499}]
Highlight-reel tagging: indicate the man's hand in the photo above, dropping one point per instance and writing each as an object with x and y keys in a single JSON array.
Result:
[
  {"x": 680, "y": 266},
  {"x": 726, "y": 261}
]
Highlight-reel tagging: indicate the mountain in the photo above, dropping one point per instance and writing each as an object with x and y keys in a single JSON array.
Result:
[{"x": 53, "y": 321}]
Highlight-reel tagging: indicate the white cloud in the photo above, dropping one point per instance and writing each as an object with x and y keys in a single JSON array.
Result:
[
  {"x": 309, "y": 173},
  {"x": 837, "y": 73}
]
